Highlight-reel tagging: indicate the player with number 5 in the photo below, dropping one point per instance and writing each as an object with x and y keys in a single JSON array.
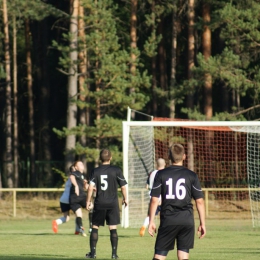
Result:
[
  {"x": 177, "y": 186},
  {"x": 106, "y": 179}
]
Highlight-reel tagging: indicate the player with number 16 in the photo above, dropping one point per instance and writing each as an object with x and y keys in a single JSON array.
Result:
[{"x": 176, "y": 185}]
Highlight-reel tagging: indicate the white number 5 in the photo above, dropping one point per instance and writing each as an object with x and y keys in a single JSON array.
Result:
[
  {"x": 104, "y": 183},
  {"x": 179, "y": 189}
]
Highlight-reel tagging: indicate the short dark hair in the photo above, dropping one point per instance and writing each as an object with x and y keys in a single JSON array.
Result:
[
  {"x": 72, "y": 168},
  {"x": 176, "y": 152},
  {"x": 105, "y": 155}
]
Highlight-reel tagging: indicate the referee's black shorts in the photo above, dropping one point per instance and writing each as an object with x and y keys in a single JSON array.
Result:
[
  {"x": 77, "y": 202},
  {"x": 111, "y": 216},
  {"x": 183, "y": 234},
  {"x": 64, "y": 207}
]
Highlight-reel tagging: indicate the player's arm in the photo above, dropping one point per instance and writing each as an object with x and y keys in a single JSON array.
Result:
[
  {"x": 85, "y": 184},
  {"x": 89, "y": 196},
  {"x": 152, "y": 210},
  {"x": 201, "y": 211},
  {"x": 147, "y": 183},
  {"x": 124, "y": 194},
  {"x": 74, "y": 182}
]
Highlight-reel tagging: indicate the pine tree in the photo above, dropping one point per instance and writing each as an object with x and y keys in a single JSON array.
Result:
[
  {"x": 110, "y": 80},
  {"x": 27, "y": 11},
  {"x": 8, "y": 96},
  {"x": 235, "y": 66}
]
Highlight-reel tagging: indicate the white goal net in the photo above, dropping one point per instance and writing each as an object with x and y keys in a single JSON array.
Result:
[{"x": 225, "y": 155}]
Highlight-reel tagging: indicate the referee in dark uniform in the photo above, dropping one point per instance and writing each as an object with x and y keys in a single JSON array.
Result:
[
  {"x": 78, "y": 194},
  {"x": 106, "y": 179},
  {"x": 177, "y": 186}
]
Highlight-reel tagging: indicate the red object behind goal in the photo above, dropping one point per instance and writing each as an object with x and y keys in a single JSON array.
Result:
[{"x": 216, "y": 153}]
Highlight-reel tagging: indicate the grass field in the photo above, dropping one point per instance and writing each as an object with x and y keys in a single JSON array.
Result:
[{"x": 28, "y": 239}]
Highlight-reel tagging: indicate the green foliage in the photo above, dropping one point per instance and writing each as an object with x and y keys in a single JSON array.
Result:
[
  {"x": 111, "y": 87},
  {"x": 151, "y": 21},
  {"x": 227, "y": 67},
  {"x": 236, "y": 66},
  {"x": 35, "y": 10},
  {"x": 195, "y": 114},
  {"x": 241, "y": 25},
  {"x": 61, "y": 173},
  {"x": 93, "y": 153}
]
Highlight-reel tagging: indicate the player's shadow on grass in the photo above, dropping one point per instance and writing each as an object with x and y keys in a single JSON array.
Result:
[
  {"x": 28, "y": 234},
  {"x": 42, "y": 257}
]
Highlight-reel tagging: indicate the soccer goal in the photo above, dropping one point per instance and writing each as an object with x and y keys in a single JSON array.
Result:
[{"x": 224, "y": 154}]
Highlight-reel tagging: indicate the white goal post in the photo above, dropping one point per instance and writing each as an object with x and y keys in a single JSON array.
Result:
[{"x": 223, "y": 153}]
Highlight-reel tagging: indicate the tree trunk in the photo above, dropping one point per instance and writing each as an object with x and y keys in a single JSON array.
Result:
[
  {"x": 8, "y": 107},
  {"x": 208, "y": 110},
  {"x": 174, "y": 62},
  {"x": 44, "y": 102},
  {"x": 133, "y": 36},
  {"x": 162, "y": 67},
  {"x": 98, "y": 115},
  {"x": 98, "y": 103},
  {"x": 72, "y": 86},
  {"x": 191, "y": 62},
  {"x": 33, "y": 177},
  {"x": 191, "y": 48},
  {"x": 15, "y": 103},
  {"x": 206, "y": 49},
  {"x": 154, "y": 74},
  {"x": 82, "y": 78}
]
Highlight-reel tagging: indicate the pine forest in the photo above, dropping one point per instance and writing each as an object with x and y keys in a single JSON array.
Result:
[{"x": 69, "y": 69}]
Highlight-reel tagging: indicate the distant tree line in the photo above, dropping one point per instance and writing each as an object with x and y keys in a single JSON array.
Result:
[{"x": 70, "y": 68}]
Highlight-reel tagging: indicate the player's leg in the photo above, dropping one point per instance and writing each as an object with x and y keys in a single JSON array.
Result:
[
  {"x": 185, "y": 241},
  {"x": 93, "y": 242},
  {"x": 90, "y": 214},
  {"x": 113, "y": 219},
  {"x": 98, "y": 219},
  {"x": 78, "y": 213},
  {"x": 65, "y": 208},
  {"x": 114, "y": 241},
  {"x": 159, "y": 257},
  {"x": 77, "y": 229},
  {"x": 183, "y": 254},
  {"x": 165, "y": 240},
  {"x": 145, "y": 224}
]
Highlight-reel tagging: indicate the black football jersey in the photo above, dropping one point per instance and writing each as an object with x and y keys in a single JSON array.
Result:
[
  {"x": 177, "y": 185},
  {"x": 80, "y": 181},
  {"x": 107, "y": 178}
]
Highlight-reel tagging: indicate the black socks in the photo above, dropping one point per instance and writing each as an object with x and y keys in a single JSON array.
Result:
[
  {"x": 79, "y": 222},
  {"x": 93, "y": 241},
  {"x": 114, "y": 240}
]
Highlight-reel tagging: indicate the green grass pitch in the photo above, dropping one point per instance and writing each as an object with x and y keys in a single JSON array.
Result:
[{"x": 25, "y": 239}]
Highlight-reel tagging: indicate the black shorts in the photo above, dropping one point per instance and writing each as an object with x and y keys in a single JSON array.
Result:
[
  {"x": 64, "y": 207},
  {"x": 183, "y": 234},
  {"x": 111, "y": 216},
  {"x": 77, "y": 202}
]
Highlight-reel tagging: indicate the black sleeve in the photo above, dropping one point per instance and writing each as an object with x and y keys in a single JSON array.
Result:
[
  {"x": 157, "y": 186},
  {"x": 196, "y": 191},
  {"x": 120, "y": 178}
]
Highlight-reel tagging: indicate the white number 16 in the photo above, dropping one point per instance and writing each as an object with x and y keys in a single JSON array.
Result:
[{"x": 179, "y": 189}]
